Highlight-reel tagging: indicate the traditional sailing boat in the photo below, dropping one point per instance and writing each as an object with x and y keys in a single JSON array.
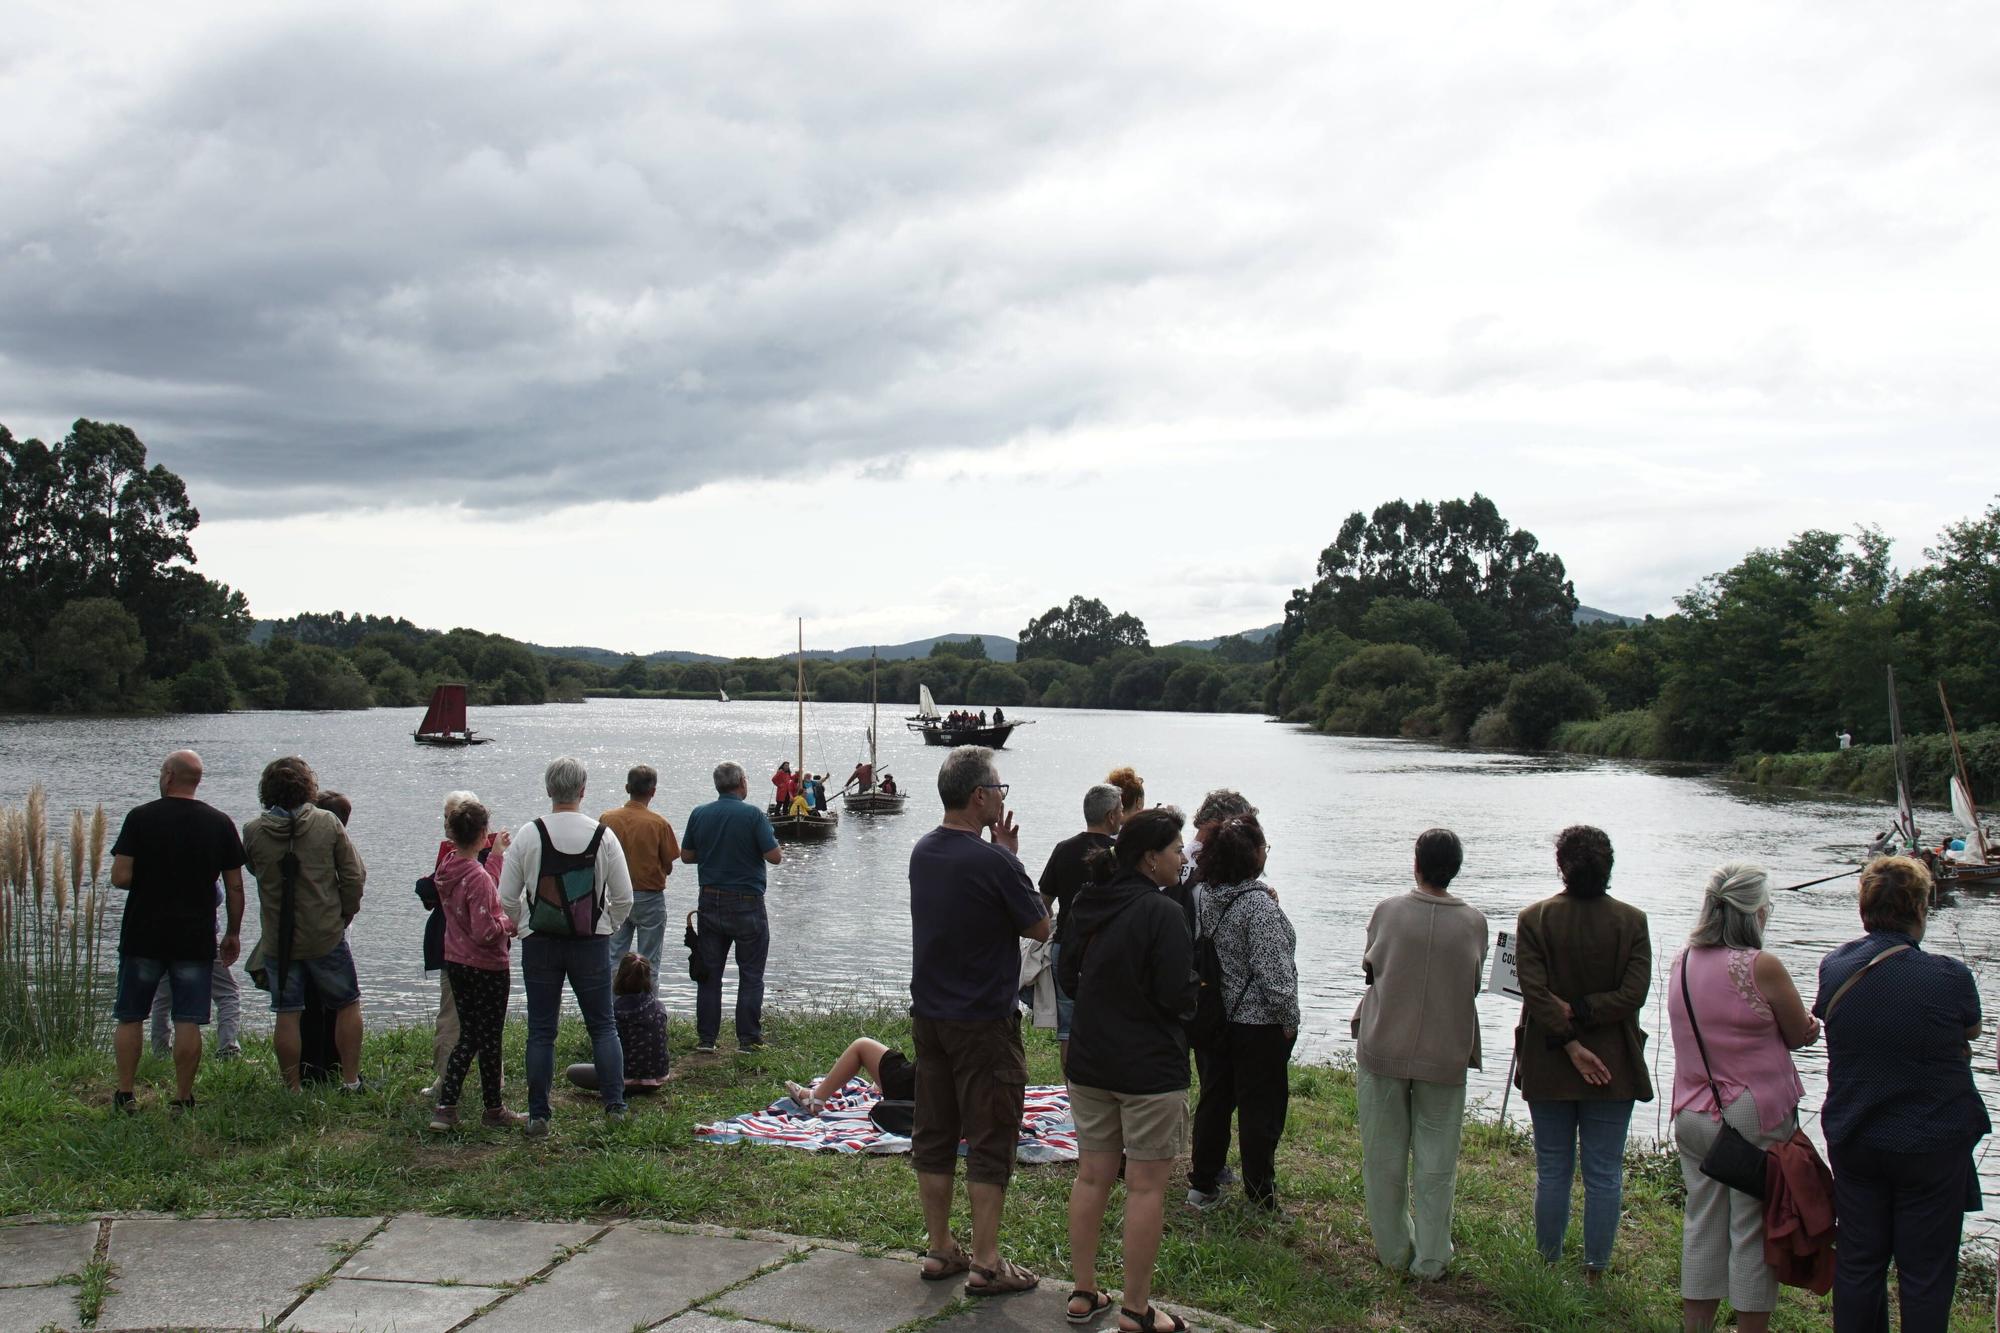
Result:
[
  {"x": 937, "y": 729},
  {"x": 871, "y": 799},
  {"x": 1977, "y": 868},
  {"x": 814, "y": 826},
  {"x": 444, "y": 722}
]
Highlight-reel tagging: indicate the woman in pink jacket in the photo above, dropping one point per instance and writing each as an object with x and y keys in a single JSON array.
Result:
[{"x": 477, "y": 936}]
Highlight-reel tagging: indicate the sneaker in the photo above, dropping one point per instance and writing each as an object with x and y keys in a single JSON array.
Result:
[
  {"x": 617, "y": 1115},
  {"x": 125, "y": 1102},
  {"x": 178, "y": 1107},
  {"x": 1224, "y": 1178},
  {"x": 429, "y": 1092},
  {"x": 356, "y": 1088},
  {"x": 537, "y": 1127},
  {"x": 499, "y": 1117},
  {"x": 444, "y": 1118},
  {"x": 706, "y": 1048},
  {"x": 1203, "y": 1200},
  {"x": 231, "y": 1052}
]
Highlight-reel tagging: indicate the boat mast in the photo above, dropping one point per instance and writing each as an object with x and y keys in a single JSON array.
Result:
[
  {"x": 802, "y": 694},
  {"x": 874, "y": 704},
  {"x": 1978, "y": 833},
  {"x": 1905, "y": 811}
]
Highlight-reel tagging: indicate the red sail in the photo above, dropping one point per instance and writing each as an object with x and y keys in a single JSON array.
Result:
[{"x": 447, "y": 711}]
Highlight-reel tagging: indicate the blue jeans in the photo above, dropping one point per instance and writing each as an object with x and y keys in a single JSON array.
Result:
[
  {"x": 546, "y": 961},
  {"x": 333, "y": 974},
  {"x": 644, "y": 931},
  {"x": 1600, "y": 1128},
  {"x": 139, "y": 980},
  {"x": 729, "y": 917}
]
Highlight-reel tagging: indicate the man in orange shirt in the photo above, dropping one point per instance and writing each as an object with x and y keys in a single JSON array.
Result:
[{"x": 650, "y": 852}]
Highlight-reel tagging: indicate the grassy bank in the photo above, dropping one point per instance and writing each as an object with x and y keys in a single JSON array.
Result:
[
  {"x": 1629, "y": 735},
  {"x": 1870, "y": 770},
  {"x": 252, "y": 1149}
]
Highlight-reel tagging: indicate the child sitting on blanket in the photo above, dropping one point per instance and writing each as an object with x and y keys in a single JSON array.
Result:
[
  {"x": 642, "y": 1031},
  {"x": 893, "y": 1072}
]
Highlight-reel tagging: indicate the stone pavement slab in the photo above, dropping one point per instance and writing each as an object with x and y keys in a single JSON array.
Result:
[
  {"x": 39, "y": 1307},
  {"x": 205, "y": 1273},
  {"x": 694, "y": 1321},
  {"x": 632, "y": 1277},
  {"x": 345, "y": 1305},
  {"x": 1028, "y": 1312},
  {"x": 841, "y": 1293},
  {"x": 42, "y": 1252},
  {"x": 456, "y": 1249}
]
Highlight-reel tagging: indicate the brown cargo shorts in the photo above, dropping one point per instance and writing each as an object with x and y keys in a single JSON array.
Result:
[{"x": 972, "y": 1079}]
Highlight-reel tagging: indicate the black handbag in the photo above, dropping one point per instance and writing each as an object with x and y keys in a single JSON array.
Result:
[
  {"x": 697, "y": 970},
  {"x": 1731, "y": 1159}
]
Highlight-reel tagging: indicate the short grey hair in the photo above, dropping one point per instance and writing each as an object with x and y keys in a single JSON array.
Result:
[
  {"x": 563, "y": 779},
  {"x": 1735, "y": 894},
  {"x": 1101, "y": 802},
  {"x": 964, "y": 771},
  {"x": 454, "y": 799},
  {"x": 729, "y": 776},
  {"x": 1221, "y": 804}
]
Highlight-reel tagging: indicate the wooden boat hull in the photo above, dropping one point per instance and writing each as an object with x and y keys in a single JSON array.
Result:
[
  {"x": 1975, "y": 878},
  {"x": 993, "y": 738},
  {"x": 874, "y": 802},
  {"x": 453, "y": 742},
  {"x": 805, "y": 828}
]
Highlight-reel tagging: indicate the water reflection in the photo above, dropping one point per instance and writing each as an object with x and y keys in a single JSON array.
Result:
[{"x": 1341, "y": 814}]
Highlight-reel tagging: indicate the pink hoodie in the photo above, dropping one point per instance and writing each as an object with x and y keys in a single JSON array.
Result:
[{"x": 476, "y": 932}]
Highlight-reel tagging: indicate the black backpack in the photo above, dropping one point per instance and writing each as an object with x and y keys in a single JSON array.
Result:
[
  {"x": 567, "y": 903},
  {"x": 1211, "y": 1015}
]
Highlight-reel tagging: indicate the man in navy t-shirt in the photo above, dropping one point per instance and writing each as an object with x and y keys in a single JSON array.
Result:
[
  {"x": 729, "y": 841},
  {"x": 971, "y": 901}
]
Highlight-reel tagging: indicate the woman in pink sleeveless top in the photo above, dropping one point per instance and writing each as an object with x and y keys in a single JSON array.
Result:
[{"x": 1751, "y": 1020}]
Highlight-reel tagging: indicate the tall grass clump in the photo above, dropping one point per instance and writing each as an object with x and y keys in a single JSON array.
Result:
[
  {"x": 1634, "y": 734},
  {"x": 53, "y": 982}
]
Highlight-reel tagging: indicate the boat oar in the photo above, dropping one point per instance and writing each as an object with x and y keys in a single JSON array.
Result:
[{"x": 1821, "y": 880}]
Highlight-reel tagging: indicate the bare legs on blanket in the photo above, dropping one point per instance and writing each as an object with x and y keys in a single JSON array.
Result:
[{"x": 861, "y": 1053}]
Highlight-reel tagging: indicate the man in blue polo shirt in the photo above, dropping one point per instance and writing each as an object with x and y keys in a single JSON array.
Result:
[{"x": 730, "y": 841}]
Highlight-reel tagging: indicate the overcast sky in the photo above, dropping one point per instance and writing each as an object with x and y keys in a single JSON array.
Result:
[{"x": 654, "y": 326}]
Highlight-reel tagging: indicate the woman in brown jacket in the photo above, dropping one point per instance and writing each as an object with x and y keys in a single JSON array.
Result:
[{"x": 1586, "y": 964}]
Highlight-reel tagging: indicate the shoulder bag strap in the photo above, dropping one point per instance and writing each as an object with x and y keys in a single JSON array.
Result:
[
  {"x": 1687, "y": 1001},
  {"x": 1859, "y": 973},
  {"x": 1228, "y": 1010}
]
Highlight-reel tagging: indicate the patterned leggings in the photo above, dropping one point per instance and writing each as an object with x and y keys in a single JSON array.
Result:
[{"x": 482, "y": 1014}]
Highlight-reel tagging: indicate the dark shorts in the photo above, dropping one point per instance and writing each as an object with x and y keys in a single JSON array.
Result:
[
  {"x": 899, "y": 1076},
  {"x": 332, "y": 975},
  {"x": 188, "y": 982},
  {"x": 972, "y": 1079}
]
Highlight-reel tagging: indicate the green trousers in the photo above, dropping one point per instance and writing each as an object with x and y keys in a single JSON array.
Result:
[{"x": 1409, "y": 1165}]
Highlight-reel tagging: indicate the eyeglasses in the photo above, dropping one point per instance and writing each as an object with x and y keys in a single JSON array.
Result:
[{"x": 1000, "y": 787}]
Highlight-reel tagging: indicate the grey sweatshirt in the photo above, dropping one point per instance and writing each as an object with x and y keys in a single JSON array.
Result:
[{"x": 1419, "y": 1019}]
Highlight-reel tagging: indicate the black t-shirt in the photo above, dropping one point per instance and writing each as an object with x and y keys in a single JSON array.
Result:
[
  {"x": 179, "y": 848},
  {"x": 969, "y": 903},
  {"x": 1065, "y": 873}
]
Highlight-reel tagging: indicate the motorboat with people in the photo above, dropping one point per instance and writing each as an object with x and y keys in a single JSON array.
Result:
[
  {"x": 445, "y": 722},
  {"x": 960, "y": 726}
]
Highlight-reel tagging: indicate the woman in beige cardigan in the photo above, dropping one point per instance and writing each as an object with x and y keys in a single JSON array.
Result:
[{"x": 1416, "y": 1034}]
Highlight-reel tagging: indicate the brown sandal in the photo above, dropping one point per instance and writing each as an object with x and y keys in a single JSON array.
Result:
[
  {"x": 958, "y": 1261},
  {"x": 1003, "y": 1279},
  {"x": 1099, "y": 1303},
  {"x": 1143, "y": 1323}
]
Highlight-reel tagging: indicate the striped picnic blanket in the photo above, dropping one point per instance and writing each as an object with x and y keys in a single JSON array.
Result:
[{"x": 1047, "y": 1132}]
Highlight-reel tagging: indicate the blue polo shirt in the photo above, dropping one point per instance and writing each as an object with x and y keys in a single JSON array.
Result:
[
  {"x": 1898, "y": 1076},
  {"x": 729, "y": 837}
]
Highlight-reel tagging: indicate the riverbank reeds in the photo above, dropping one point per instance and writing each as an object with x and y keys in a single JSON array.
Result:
[
  {"x": 1870, "y": 770},
  {"x": 53, "y": 960},
  {"x": 252, "y": 1149},
  {"x": 1634, "y": 734}
]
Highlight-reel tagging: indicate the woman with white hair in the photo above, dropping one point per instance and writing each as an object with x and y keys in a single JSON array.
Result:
[{"x": 1736, "y": 1019}]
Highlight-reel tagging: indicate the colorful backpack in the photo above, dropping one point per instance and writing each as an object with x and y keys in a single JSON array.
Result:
[{"x": 567, "y": 903}]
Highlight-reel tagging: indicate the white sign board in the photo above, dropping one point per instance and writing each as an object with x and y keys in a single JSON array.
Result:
[{"x": 1504, "y": 980}]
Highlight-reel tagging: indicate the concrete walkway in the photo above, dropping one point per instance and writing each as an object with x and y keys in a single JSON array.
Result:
[{"x": 412, "y": 1274}]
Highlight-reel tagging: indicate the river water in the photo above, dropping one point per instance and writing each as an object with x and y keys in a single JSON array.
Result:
[{"x": 1340, "y": 814}]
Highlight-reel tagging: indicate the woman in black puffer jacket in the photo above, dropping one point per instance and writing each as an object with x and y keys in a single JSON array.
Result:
[{"x": 1130, "y": 965}]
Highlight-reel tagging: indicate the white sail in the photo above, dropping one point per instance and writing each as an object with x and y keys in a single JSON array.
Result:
[
  {"x": 926, "y": 706},
  {"x": 1968, "y": 815}
]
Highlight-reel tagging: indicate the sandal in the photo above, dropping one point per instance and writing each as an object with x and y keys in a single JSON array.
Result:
[
  {"x": 1099, "y": 1303},
  {"x": 954, "y": 1263},
  {"x": 1003, "y": 1279},
  {"x": 1143, "y": 1323}
]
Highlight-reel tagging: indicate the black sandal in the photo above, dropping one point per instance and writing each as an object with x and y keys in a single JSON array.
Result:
[
  {"x": 1099, "y": 1303},
  {"x": 1145, "y": 1321}
]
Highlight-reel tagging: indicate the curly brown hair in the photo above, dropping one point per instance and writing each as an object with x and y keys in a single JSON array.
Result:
[
  {"x": 1231, "y": 852},
  {"x": 287, "y": 784},
  {"x": 467, "y": 824},
  {"x": 1583, "y": 857},
  {"x": 1127, "y": 781},
  {"x": 1895, "y": 894}
]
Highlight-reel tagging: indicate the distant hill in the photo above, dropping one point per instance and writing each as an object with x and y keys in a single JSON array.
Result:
[
  {"x": 1590, "y": 615},
  {"x": 606, "y": 657},
  {"x": 1253, "y": 635},
  {"x": 998, "y": 649}
]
